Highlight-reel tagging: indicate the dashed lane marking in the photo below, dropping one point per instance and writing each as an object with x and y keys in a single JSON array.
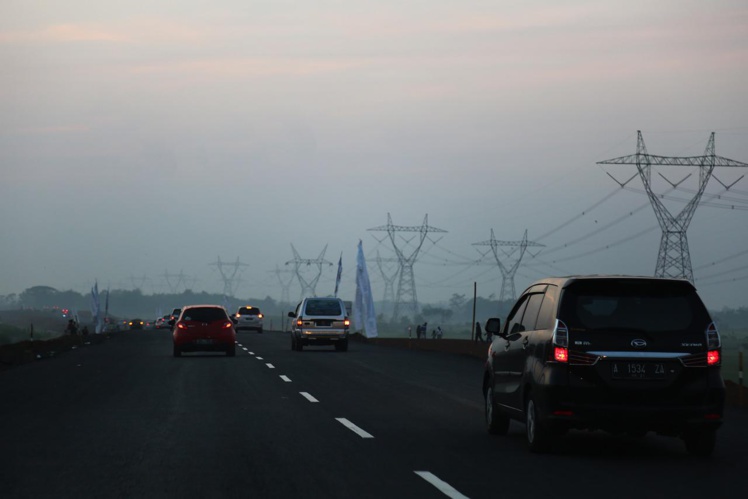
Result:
[
  {"x": 355, "y": 429},
  {"x": 308, "y": 397},
  {"x": 270, "y": 366},
  {"x": 285, "y": 378},
  {"x": 443, "y": 486}
]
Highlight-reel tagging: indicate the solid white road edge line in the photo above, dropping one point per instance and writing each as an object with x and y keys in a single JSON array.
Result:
[
  {"x": 270, "y": 366},
  {"x": 355, "y": 429},
  {"x": 443, "y": 486},
  {"x": 308, "y": 397},
  {"x": 285, "y": 378}
]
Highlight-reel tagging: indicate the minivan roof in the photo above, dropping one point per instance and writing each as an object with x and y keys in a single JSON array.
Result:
[{"x": 565, "y": 281}]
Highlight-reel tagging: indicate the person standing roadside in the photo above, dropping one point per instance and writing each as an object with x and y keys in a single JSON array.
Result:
[{"x": 478, "y": 332}]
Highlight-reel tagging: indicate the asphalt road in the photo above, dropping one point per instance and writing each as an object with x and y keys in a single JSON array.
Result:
[{"x": 126, "y": 419}]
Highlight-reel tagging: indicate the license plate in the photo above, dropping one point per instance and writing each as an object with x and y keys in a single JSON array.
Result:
[
  {"x": 638, "y": 370},
  {"x": 204, "y": 342}
]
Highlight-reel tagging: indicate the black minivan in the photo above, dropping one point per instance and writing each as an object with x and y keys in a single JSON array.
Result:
[{"x": 618, "y": 353}]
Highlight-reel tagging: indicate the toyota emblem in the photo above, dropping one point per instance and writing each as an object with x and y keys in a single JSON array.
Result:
[{"x": 638, "y": 343}]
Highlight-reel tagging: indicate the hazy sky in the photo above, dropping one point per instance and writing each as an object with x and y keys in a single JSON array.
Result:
[{"x": 144, "y": 137}]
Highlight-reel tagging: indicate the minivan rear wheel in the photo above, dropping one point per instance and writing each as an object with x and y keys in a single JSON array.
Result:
[
  {"x": 539, "y": 438},
  {"x": 496, "y": 423}
]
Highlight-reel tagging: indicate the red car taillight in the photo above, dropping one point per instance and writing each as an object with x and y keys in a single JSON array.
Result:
[
  {"x": 560, "y": 342},
  {"x": 181, "y": 325},
  {"x": 227, "y": 324}
]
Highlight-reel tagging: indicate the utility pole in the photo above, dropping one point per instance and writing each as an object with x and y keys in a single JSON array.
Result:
[
  {"x": 508, "y": 271},
  {"x": 308, "y": 287},
  {"x": 674, "y": 258},
  {"x": 406, "y": 285}
]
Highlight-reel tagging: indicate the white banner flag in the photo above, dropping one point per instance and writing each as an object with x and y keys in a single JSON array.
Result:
[{"x": 364, "y": 316}]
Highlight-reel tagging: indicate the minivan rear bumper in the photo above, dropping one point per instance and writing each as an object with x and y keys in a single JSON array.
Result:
[
  {"x": 324, "y": 337},
  {"x": 568, "y": 400}
]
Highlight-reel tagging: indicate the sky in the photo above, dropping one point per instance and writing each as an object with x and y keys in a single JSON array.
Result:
[{"x": 144, "y": 139}]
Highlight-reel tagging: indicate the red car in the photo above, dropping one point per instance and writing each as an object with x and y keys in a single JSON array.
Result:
[{"x": 204, "y": 328}]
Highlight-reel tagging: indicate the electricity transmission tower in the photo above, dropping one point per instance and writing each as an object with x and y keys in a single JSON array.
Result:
[
  {"x": 285, "y": 285},
  {"x": 138, "y": 282},
  {"x": 674, "y": 258},
  {"x": 508, "y": 271},
  {"x": 389, "y": 278},
  {"x": 308, "y": 287},
  {"x": 174, "y": 281},
  {"x": 406, "y": 284},
  {"x": 230, "y": 273}
]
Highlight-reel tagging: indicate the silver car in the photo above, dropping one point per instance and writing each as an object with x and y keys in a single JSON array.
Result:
[
  {"x": 249, "y": 318},
  {"x": 320, "y": 321}
]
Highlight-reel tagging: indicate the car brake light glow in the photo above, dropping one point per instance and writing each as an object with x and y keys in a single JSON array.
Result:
[
  {"x": 181, "y": 325},
  {"x": 299, "y": 322},
  {"x": 712, "y": 357},
  {"x": 346, "y": 323},
  {"x": 227, "y": 324},
  {"x": 563, "y": 413},
  {"x": 260, "y": 316},
  {"x": 561, "y": 354}
]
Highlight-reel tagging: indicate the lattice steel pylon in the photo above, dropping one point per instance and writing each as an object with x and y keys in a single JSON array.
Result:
[
  {"x": 308, "y": 287},
  {"x": 285, "y": 285},
  {"x": 508, "y": 272},
  {"x": 174, "y": 285},
  {"x": 389, "y": 278},
  {"x": 674, "y": 258},
  {"x": 230, "y": 273},
  {"x": 406, "y": 284}
]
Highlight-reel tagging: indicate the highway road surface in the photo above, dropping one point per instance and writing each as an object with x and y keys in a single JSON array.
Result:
[{"x": 126, "y": 419}]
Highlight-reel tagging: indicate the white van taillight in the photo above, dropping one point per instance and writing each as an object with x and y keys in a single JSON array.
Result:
[{"x": 560, "y": 342}]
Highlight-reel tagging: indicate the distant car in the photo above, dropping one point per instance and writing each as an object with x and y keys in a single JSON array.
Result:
[
  {"x": 617, "y": 353},
  {"x": 175, "y": 314},
  {"x": 249, "y": 318},
  {"x": 204, "y": 328},
  {"x": 136, "y": 324},
  {"x": 162, "y": 322},
  {"x": 320, "y": 321}
]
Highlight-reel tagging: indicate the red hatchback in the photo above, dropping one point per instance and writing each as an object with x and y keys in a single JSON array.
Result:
[{"x": 204, "y": 328}]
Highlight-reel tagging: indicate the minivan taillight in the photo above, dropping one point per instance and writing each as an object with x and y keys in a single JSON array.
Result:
[
  {"x": 712, "y": 357},
  {"x": 712, "y": 337},
  {"x": 560, "y": 342},
  {"x": 299, "y": 322}
]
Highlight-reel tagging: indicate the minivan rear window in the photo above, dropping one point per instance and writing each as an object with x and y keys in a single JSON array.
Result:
[
  {"x": 249, "y": 311},
  {"x": 322, "y": 307},
  {"x": 633, "y": 305}
]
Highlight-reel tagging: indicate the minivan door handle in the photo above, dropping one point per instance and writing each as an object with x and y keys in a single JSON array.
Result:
[
  {"x": 507, "y": 345},
  {"x": 525, "y": 342}
]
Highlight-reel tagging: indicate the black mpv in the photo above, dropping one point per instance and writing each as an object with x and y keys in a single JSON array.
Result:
[{"x": 616, "y": 353}]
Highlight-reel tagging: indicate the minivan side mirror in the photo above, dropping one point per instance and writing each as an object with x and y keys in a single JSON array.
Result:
[
  {"x": 292, "y": 315},
  {"x": 493, "y": 326}
]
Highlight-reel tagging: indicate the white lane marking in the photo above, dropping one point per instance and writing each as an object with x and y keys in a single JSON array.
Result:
[
  {"x": 244, "y": 348},
  {"x": 251, "y": 353},
  {"x": 308, "y": 397},
  {"x": 258, "y": 358},
  {"x": 443, "y": 486},
  {"x": 271, "y": 366},
  {"x": 285, "y": 378},
  {"x": 355, "y": 429}
]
